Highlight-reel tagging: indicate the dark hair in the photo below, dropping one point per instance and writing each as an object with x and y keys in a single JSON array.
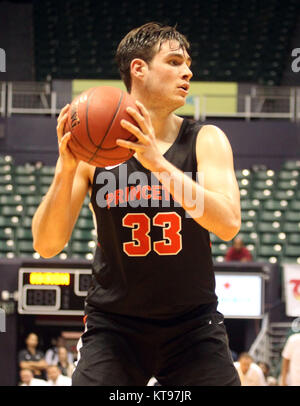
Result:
[{"x": 141, "y": 43}]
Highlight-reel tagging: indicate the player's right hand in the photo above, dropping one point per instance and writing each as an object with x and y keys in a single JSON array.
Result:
[{"x": 68, "y": 159}]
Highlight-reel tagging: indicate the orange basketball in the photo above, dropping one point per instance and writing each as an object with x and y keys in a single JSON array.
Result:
[{"x": 94, "y": 121}]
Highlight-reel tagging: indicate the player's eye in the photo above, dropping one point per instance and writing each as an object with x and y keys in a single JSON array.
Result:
[{"x": 174, "y": 62}]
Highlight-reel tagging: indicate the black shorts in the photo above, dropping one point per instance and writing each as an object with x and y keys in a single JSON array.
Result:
[{"x": 118, "y": 350}]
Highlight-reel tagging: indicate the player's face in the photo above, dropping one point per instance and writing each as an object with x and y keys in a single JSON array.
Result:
[{"x": 169, "y": 74}]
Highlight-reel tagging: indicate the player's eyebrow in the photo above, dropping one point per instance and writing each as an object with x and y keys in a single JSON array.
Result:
[{"x": 181, "y": 56}]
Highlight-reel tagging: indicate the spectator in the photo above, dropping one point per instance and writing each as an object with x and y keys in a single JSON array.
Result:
[
  {"x": 291, "y": 361},
  {"x": 63, "y": 364},
  {"x": 27, "y": 379},
  {"x": 51, "y": 356},
  {"x": 55, "y": 378},
  {"x": 32, "y": 358},
  {"x": 250, "y": 374},
  {"x": 270, "y": 380},
  {"x": 238, "y": 252}
]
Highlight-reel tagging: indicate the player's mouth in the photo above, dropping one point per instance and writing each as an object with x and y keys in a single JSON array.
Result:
[{"x": 185, "y": 88}]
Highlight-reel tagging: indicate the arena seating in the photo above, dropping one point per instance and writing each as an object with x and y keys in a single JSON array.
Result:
[
  {"x": 270, "y": 204},
  {"x": 231, "y": 41}
]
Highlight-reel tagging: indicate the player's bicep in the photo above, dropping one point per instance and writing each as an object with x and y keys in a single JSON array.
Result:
[{"x": 215, "y": 163}]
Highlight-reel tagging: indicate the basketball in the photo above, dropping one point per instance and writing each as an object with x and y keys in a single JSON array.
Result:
[{"x": 94, "y": 121}]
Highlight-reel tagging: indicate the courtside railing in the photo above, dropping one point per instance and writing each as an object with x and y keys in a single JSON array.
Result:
[
  {"x": 248, "y": 106},
  {"x": 260, "y": 102}
]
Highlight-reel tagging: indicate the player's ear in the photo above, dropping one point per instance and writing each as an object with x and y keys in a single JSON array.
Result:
[{"x": 138, "y": 68}]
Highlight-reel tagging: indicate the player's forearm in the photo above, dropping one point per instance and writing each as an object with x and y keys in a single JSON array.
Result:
[
  {"x": 52, "y": 222},
  {"x": 213, "y": 211}
]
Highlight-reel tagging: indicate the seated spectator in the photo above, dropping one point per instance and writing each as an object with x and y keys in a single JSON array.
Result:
[
  {"x": 270, "y": 380},
  {"x": 238, "y": 252},
  {"x": 63, "y": 363},
  {"x": 250, "y": 374},
  {"x": 51, "y": 356},
  {"x": 55, "y": 378},
  {"x": 32, "y": 358},
  {"x": 27, "y": 379}
]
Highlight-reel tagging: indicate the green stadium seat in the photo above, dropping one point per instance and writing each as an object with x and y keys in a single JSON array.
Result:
[
  {"x": 10, "y": 200},
  {"x": 287, "y": 184},
  {"x": 6, "y": 159},
  {"x": 242, "y": 174},
  {"x": 248, "y": 226},
  {"x": 5, "y": 179},
  {"x": 268, "y": 251},
  {"x": 11, "y": 211},
  {"x": 283, "y": 194},
  {"x": 9, "y": 221},
  {"x": 293, "y": 239},
  {"x": 46, "y": 180},
  {"x": 288, "y": 175},
  {"x": 272, "y": 238},
  {"x": 24, "y": 180},
  {"x": 272, "y": 204},
  {"x": 275, "y": 215},
  {"x": 262, "y": 184},
  {"x": 24, "y": 234},
  {"x": 24, "y": 170},
  {"x": 292, "y": 251},
  {"x": 6, "y": 189},
  {"x": 25, "y": 190},
  {"x": 294, "y": 205},
  {"x": 6, "y": 233},
  {"x": 85, "y": 223},
  {"x": 7, "y": 246},
  {"x": 47, "y": 170},
  {"x": 268, "y": 226},
  {"x": 261, "y": 194},
  {"x": 82, "y": 235},
  {"x": 5, "y": 170},
  {"x": 264, "y": 175},
  {"x": 249, "y": 204},
  {"x": 32, "y": 200},
  {"x": 292, "y": 216},
  {"x": 291, "y": 164},
  {"x": 248, "y": 215},
  {"x": 291, "y": 227},
  {"x": 219, "y": 249}
]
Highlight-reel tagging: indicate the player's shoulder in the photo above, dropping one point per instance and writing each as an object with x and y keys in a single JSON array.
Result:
[
  {"x": 210, "y": 131},
  {"x": 211, "y": 138}
]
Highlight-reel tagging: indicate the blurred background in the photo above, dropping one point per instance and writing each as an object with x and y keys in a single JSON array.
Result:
[{"x": 246, "y": 81}]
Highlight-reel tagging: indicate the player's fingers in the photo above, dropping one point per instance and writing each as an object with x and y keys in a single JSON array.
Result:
[
  {"x": 60, "y": 127},
  {"x": 135, "y": 131},
  {"x": 64, "y": 142},
  {"x": 63, "y": 111},
  {"x": 141, "y": 121},
  {"x": 143, "y": 110},
  {"x": 130, "y": 145}
]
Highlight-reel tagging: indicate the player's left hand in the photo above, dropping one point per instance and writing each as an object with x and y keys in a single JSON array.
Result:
[{"x": 146, "y": 145}]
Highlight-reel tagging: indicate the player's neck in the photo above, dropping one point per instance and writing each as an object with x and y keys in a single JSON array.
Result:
[{"x": 165, "y": 123}]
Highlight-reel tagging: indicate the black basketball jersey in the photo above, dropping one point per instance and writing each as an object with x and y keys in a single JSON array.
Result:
[{"x": 152, "y": 259}]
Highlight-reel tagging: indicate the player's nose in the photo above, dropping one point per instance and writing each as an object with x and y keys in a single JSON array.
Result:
[{"x": 187, "y": 73}]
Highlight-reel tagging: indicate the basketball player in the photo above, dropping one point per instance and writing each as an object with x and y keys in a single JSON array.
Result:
[{"x": 151, "y": 308}]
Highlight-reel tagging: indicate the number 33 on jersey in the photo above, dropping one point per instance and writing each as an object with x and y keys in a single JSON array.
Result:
[{"x": 141, "y": 243}]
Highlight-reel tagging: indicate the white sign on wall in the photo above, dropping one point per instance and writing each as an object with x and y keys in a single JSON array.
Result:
[{"x": 240, "y": 295}]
